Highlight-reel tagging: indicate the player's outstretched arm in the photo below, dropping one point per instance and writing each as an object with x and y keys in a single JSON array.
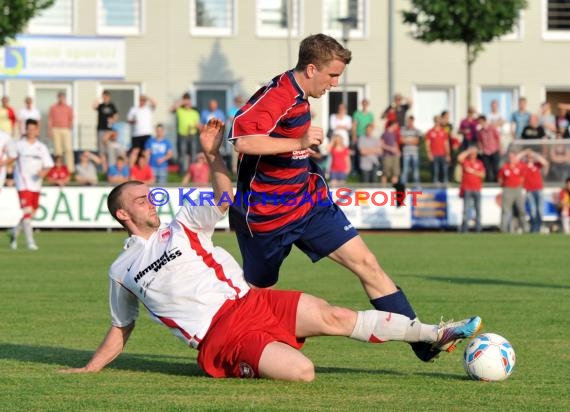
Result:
[
  {"x": 109, "y": 349},
  {"x": 211, "y": 137},
  {"x": 266, "y": 145}
]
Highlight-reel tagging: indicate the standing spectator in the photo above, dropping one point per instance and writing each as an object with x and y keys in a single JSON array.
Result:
[
  {"x": 158, "y": 150},
  {"x": 112, "y": 148},
  {"x": 547, "y": 120},
  {"x": 519, "y": 119},
  {"x": 398, "y": 109},
  {"x": 560, "y": 158},
  {"x": 198, "y": 172},
  {"x": 370, "y": 150},
  {"x": 60, "y": 124},
  {"x": 187, "y": 129},
  {"x": 141, "y": 118},
  {"x": 565, "y": 207},
  {"x": 563, "y": 121},
  {"x": 29, "y": 111},
  {"x": 496, "y": 119},
  {"x": 141, "y": 170},
  {"x": 361, "y": 119},
  {"x": 534, "y": 184},
  {"x": 437, "y": 148},
  {"x": 33, "y": 162},
  {"x": 86, "y": 169},
  {"x": 106, "y": 111},
  {"x": 473, "y": 173},
  {"x": 410, "y": 151},
  {"x": 454, "y": 143},
  {"x": 511, "y": 179},
  {"x": 8, "y": 117},
  {"x": 59, "y": 174},
  {"x": 340, "y": 160},
  {"x": 533, "y": 130},
  {"x": 468, "y": 129},
  {"x": 118, "y": 172},
  {"x": 390, "y": 154},
  {"x": 489, "y": 142},
  {"x": 212, "y": 112},
  {"x": 341, "y": 124}
]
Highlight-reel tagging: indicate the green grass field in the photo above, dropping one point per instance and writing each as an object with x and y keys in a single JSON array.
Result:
[{"x": 55, "y": 313}]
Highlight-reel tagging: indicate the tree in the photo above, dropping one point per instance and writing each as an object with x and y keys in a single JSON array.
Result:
[
  {"x": 15, "y": 14},
  {"x": 472, "y": 22}
]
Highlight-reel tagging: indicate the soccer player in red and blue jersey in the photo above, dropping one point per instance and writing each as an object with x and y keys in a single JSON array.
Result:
[{"x": 283, "y": 196}]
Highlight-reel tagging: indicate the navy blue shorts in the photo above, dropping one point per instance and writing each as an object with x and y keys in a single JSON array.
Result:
[{"x": 318, "y": 235}]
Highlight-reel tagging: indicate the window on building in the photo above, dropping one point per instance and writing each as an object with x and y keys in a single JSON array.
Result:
[
  {"x": 58, "y": 19},
  {"x": 556, "y": 18},
  {"x": 124, "y": 96},
  {"x": 121, "y": 17},
  {"x": 273, "y": 18},
  {"x": 430, "y": 101},
  {"x": 45, "y": 95},
  {"x": 336, "y": 9},
  {"x": 212, "y": 17}
]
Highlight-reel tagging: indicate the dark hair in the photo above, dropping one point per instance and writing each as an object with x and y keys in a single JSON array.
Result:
[
  {"x": 106, "y": 92},
  {"x": 444, "y": 112},
  {"x": 186, "y": 95},
  {"x": 567, "y": 180},
  {"x": 31, "y": 121},
  {"x": 320, "y": 50},
  {"x": 114, "y": 201},
  {"x": 482, "y": 117}
]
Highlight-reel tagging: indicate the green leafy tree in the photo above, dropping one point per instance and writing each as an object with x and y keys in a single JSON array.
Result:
[
  {"x": 471, "y": 22},
  {"x": 15, "y": 14}
]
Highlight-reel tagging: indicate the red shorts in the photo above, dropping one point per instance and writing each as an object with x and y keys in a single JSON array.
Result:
[
  {"x": 29, "y": 199},
  {"x": 242, "y": 329}
]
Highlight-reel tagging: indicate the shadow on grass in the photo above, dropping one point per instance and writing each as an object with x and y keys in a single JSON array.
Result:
[
  {"x": 74, "y": 358},
  {"x": 445, "y": 376},
  {"x": 334, "y": 369},
  {"x": 482, "y": 281}
]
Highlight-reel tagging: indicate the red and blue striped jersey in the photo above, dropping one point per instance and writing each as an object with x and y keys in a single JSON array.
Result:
[{"x": 275, "y": 191}]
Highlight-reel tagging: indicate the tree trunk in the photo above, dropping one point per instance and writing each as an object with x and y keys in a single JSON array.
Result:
[{"x": 469, "y": 67}]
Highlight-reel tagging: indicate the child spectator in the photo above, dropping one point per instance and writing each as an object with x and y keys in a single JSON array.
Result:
[
  {"x": 340, "y": 161},
  {"x": 198, "y": 172},
  {"x": 159, "y": 150},
  {"x": 142, "y": 171},
  {"x": 58, "y": 175},
  {"x": 118, "y": 172}
]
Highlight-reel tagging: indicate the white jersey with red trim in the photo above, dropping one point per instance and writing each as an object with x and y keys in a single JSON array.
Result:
[
  {"x": 177, "y": 274},
  {"x": 5, "y": 140},
  {"x": 31, "y": 158}
]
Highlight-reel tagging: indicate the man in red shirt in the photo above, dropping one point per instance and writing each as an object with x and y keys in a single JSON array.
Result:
[
  {"x": 533, "y": 185},
  {"x": 60, "y": 124},
  {"x": 511, "y": 179},
  {"x": 471, "y": 184},
  {"x": 437, "y": 148}
]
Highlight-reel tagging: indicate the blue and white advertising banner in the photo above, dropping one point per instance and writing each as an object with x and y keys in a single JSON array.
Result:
[{"x": 61, "y": 57}]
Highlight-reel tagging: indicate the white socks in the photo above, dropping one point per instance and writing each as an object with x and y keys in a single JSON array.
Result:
[
  {"x": 377, "y": 326},
  {"x": 28, "y": 231},
  {"x": 566, "y": 224}
]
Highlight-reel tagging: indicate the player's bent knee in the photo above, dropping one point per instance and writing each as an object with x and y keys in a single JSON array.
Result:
[{"x": 305, "y": 371}]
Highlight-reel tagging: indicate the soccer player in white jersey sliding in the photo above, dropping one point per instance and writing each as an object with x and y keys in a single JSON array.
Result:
[
  {"x": 198, "y": 291},
  {"x": 33, "y": 163}
]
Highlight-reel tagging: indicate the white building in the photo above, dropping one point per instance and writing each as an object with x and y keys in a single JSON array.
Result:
[{"x": 221, "y": 48}]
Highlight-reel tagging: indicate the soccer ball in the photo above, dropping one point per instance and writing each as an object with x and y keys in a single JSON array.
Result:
[{"x": 489, "y": 357}]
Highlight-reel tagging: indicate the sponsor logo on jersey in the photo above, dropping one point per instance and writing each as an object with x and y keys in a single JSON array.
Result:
[{"x": 159, "y": 263}]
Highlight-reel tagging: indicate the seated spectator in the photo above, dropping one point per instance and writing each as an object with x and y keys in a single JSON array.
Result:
[
  {"x": 118, "y": 172},
  {"x": 198, "y": 172},
  {"x": 565, "y": 207},
  {"x": 370, "y": 150},
  {"x": 158, "y": 150},
  {"x": 85, "y": 170},
  {"x": 560, "y": 158},
  {"x": 58, "y": 175},
  {"x": 340, "y": 161},
  {"x": 142, "y": 171}
]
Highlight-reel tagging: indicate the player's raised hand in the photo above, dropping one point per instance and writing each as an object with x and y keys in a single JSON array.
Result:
[
  {"x": 313, "y": 137},
  {"x": 211, "y": 137}
]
